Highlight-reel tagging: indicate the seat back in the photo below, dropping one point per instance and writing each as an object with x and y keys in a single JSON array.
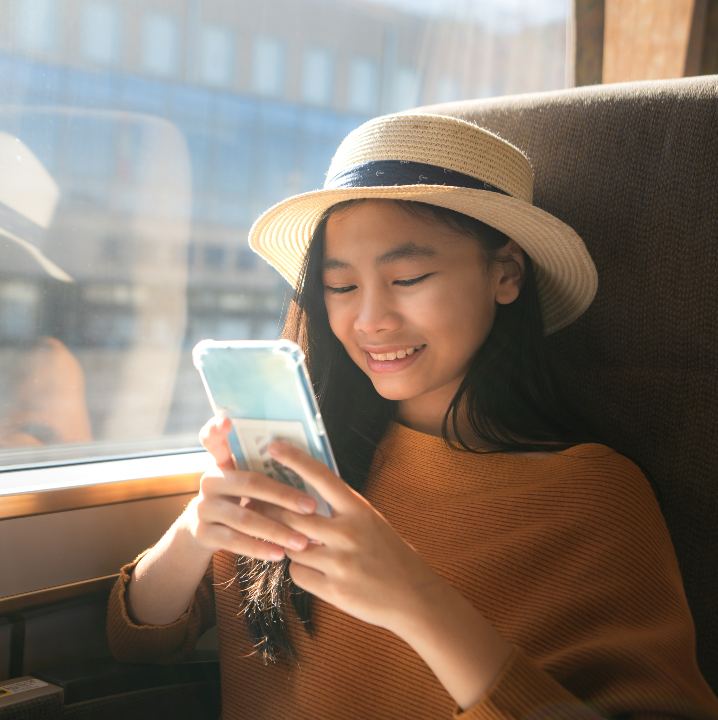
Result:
[{"x": 633, "y": 167}]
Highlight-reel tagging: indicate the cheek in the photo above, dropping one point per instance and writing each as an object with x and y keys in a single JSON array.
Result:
[
  {"x": 462, "y": 314},
  {"x": 339, "y": 320}
]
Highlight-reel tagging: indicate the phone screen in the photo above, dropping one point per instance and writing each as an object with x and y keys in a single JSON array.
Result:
[{"x": 264, "y": 389}]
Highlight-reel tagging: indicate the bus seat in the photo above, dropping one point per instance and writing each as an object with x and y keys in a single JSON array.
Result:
[{"x": 632, "y": 167}]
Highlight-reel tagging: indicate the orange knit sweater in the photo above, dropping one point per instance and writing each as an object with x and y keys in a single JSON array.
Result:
[{"x": 567, "y": 554}]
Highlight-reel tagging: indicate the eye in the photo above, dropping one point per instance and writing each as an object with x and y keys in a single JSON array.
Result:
[
  {"x": 412, "y": 281},
  {"x": 339, "y": 290}
]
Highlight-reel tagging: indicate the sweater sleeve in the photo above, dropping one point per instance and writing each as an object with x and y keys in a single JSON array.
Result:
[
  {"x": 134, "y": 642},
  {"x": 621, "y": 643}
]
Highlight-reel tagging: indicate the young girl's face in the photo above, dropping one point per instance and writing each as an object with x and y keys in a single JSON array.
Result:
[{"x": 411, "y": 300}]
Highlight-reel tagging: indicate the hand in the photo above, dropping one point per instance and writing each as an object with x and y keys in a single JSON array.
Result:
[
  {"x": 231, "y": 510},
  {"x": 358, "y": 562}
]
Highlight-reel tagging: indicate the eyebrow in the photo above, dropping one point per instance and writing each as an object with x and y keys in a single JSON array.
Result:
[{"x": 407, "y": 250}]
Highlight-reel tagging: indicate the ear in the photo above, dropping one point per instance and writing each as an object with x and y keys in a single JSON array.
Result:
[{"x": 509, "y": 267}]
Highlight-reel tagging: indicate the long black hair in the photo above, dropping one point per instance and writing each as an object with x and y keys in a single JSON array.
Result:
[{"x": 509, "y": 395}]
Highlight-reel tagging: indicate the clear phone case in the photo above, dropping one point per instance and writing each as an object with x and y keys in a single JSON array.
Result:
[{"x": 264, "y": 388}]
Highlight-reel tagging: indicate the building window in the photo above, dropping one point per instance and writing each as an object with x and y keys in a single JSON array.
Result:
[
  {"x": 407, "y": 84},
  {"x": 317, "y": 77},
  {"x": 100, "y": 33},
  {"x": 159, "y": 44},
  {"x": 214, "y": 256},
  {"x": 363, "y": 86},
  {"x": 35, "y": 23},
  {"x": 268, "y": 67},
  {"x": 18, "y": 310},
  {"x": 447, "y": 90},
  {"x": 216, "y": 56},
  {"x": 246, "y": 259}
]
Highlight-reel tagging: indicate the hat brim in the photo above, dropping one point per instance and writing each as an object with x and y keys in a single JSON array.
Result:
[
  {"x": 565, "y": 274},
  {"x": 51, "y": 268}
]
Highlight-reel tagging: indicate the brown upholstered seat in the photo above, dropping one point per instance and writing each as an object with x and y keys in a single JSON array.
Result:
[{"x": 633, "y": 167}]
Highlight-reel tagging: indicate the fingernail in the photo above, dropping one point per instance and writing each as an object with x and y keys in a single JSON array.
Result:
[
  {"x": 306, "y": 505},
  {"x": 274, "y": 448},
  {"x": 297, "y": 543},
  {"x": 277, "y": 555}
]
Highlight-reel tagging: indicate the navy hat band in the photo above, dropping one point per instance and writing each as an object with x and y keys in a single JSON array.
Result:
[{"x": 404, "y": 172}]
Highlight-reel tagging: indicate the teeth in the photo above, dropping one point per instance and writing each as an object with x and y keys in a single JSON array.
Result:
[{"x": 399, "y": 354}]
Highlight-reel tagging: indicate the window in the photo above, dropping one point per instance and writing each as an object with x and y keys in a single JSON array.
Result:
[
  {"x": 317, "y": 77},
  {"x": 447, "y": 90},
  {"x": 363, "y": 86},
  {"x": 407, "y": 85},
  {"x": 89, "y": 154},
  {"x": 268, "y": 67},
  {"x": 159, "y": 44},
  {"x": 35, "y": 22},
  {"x": 100, "y": 32},
  {"x": 216, "y": 56},
  {"x": 18, "y": 308},
  {"x": 234, "y": 152},
  {"x": 215, "y": 256},
  {"x": 275, "y": 176},
  {"x": 146, "y": 180},
  {"x": 246, "y": 259}
]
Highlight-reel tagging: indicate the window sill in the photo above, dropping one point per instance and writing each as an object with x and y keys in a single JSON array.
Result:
[{"x": 37, "y": 491}]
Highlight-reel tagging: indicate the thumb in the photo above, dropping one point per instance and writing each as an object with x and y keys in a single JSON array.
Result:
[{"x": 214, "y": 439}]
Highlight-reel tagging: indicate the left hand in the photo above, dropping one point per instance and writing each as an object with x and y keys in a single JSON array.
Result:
[{"x": 358, "y": 562}]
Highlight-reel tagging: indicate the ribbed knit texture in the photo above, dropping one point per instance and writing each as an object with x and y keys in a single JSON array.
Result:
[
  {"x": 632, "y": 167},
  {"x": 567, "y": 554}
]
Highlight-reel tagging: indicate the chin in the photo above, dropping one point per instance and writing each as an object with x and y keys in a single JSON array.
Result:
[
  {"x": 392, "y": 393},
  {"x": 396, "y": 396}
]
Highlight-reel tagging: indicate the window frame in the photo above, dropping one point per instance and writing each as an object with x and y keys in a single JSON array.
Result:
[{"x": 41, "y": 490}]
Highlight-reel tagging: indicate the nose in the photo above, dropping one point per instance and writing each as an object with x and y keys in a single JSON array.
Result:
[{"x": 375, "y": 313}]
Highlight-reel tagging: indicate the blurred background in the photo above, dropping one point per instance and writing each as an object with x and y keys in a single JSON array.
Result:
[{"x": 139, "y": 140}]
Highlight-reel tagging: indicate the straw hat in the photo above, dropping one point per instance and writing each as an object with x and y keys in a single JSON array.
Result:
[{"x": 448, "y": 162}]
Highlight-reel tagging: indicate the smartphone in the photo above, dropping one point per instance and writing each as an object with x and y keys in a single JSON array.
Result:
[{"x": 263, "y": 387}]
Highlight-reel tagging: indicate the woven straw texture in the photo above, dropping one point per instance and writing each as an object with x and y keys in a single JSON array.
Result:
[
  {"x": 445, "y": 143},
  {"x": 633, "y": 168},
  {"x": 565, "y": 274}
]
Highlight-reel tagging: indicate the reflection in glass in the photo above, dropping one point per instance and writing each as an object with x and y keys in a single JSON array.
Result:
[
  {"x": 100, "y": 31},
  {"x": 90, "y": 348},
  {"x": 217, "y": 56},
  {"x": 268, "y": 66},
  {"x": 317, "y": 77},
  {"x": 159, "y": 44},
  {"x": 157, "y": 140},
  {"x": 363, "y": 85},
  {"x": 35, "y": 21}
]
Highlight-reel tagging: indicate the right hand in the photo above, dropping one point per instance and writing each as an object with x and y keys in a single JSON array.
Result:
[{"x": 233, "y": 509}]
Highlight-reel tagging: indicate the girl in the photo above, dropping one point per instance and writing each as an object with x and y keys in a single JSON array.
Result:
[{"x": 483, "y": 559}]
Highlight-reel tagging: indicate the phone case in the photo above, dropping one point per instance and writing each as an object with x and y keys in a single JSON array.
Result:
[{"x": 264, "y": 388}]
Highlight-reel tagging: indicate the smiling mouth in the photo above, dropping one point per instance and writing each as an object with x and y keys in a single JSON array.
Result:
[{"x": 392, "y": 357}]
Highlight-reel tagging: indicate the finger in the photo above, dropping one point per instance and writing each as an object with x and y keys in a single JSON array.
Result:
[
  {"x": 320, "y": 529},
  {"x": 317, "y": 557},
  {"x": 330, "y": 486},
  {"x": 292, "y": 520},
  {"x": 311, "y": 580},
  {"x": 226, "y": 538},
  {"x": 256, "y": 486},
  {"x": 214, "y": 438},
  {"x": 256, "y": 525}
]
